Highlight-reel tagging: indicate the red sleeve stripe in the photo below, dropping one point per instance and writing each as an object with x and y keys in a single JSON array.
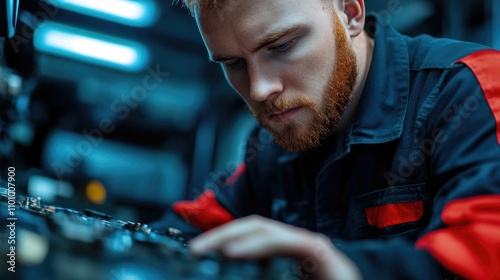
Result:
[
  {"x": 470, "y": 244},
  {"x": 205, "y": 212},
  {"x": 393, "y": 214},
  {"x": 486, "y": 67},
  {"x": 236, "y": 174}
]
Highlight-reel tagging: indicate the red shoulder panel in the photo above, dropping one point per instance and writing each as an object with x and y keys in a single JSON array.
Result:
[
  {"x": 205, "y": 212},
  {"x": 470, "y": 244},
  {"x": 486, "y": 67}
]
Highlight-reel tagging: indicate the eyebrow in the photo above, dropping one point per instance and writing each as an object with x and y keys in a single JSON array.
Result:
[{"x": 270, "y": 39}]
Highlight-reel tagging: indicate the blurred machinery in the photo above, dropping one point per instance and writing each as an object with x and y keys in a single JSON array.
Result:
[
  {"x": 60, "y": 243},
  {"x": 89, "y": 99},
  {"x": 92, "y": 120}
]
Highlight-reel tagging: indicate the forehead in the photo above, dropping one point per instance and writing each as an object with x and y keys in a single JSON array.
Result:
[{"x": 253, "y": 19}]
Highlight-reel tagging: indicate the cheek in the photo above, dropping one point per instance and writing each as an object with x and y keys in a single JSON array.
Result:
[
  {"x": 321, "y": 62},
  {"x": 310, "y": 72},
  {"x": 311, "y": 76}
]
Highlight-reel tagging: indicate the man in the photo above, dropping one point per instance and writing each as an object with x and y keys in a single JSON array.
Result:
[{"x": 380, "y": 153}]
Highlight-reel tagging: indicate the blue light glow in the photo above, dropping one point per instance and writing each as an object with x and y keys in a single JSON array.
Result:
[
  {"x": 128, "y": 12},
  {"x": 91, "y": 47}
]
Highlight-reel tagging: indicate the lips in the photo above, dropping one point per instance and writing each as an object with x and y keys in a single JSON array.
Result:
[{"x": 285, "y": 116}]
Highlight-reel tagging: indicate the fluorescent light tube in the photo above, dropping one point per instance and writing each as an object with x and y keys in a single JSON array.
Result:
[
  {"x": 137, "y": 13},
  {"x": 91, "y": 47}
]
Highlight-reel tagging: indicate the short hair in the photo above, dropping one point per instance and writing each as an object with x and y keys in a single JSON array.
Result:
[
  {"x": 194, "y": 5},
  {"x": 198, "y": 5}
]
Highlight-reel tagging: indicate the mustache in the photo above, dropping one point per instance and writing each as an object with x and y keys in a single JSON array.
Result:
[{"x": 269, "y": 107}]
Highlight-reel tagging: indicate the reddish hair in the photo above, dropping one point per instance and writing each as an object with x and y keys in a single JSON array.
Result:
[
  {"x": 193, "y": 5},
  {"x": 200, "y": 5}
]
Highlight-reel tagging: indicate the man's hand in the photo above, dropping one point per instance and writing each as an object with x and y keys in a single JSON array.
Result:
[{"x": 258, "y": 237}]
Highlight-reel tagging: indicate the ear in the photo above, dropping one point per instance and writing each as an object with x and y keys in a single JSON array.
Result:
[{"x": 352, "y": 13}]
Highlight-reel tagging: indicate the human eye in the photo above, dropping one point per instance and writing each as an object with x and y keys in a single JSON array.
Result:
[
  {"x": 285, "y": 46},
  {"x": 235, "y": 65}
]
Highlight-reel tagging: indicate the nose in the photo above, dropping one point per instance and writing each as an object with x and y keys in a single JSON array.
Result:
[{"x": 265, "y": 82}]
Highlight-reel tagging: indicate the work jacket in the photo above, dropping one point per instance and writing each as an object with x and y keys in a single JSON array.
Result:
[{"x": 411, "y": 189}]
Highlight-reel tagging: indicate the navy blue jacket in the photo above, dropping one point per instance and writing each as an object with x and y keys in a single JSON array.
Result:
[{"x": 424, "y": 146}]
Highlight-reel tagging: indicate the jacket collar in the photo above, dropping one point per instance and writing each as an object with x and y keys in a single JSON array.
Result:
[{"x": 382, "y": 106}]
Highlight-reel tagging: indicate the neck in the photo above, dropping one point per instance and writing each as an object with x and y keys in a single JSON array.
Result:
[{"x": 363, "y": 48}]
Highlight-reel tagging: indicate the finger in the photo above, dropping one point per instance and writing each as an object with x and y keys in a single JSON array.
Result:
[
  {"x": 260, "y": 238},
  {"x": 216, "y": 238},
  {"x": 258, "y": 246}
]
